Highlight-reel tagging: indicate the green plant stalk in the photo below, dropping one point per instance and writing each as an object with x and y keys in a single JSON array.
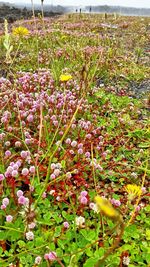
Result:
[
  {"x": 139, "y": 197},
  {"x": 114, "y": 246},
  {"x": 10, "y": 228},
  {"x": 93, "y": 169},
  {"x": 52, "y": 155},
  {"x": 74, "y": 213},
  {"x": 24, "y": 252},
  {"x": 55, "y": 132}
]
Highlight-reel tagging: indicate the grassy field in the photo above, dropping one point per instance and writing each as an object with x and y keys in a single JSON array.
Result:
[{"x": 74, "y": 142}]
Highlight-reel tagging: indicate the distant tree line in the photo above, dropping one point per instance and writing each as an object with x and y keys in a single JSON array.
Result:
[{"x": 13, "y": 13}]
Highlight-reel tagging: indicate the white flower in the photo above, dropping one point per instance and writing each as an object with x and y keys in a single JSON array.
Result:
[
  {"x": 126, "y": 260},
  {"x": 38, "y": 260},
  {"x": 94, "y": 207},
  {"x": 52, "y": 192},
  {"x": 29, "y": 235},
  {"x": 80, "y": 221}
]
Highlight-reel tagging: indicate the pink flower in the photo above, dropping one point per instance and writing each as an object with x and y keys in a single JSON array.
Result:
[
  {"x": 68, "y": 175},
  {"x": 22, "y": 200},
  {"x": 68, "y": 141},
  {"x": 74, "y": 143},
  {"x": 88, "y": 136},
  {"x": 66, "y": 225},
  {"x": 87, "y": 154},
  {"x": 15, "y": 166},
  {"x": 14, "y": 173},
  {"x": 138, "y": 208},
  {"x": 25, "y": 172},
  {"x": 3, "y": 207},
  {"x": 32, "y": 225},
  {"x": 53, "y": 166},
  {"x": 2, "y": 177},
  {"x": 19, "y": 162},
  {"x": 19, "y": 193},
  {"x": 9, "y": 169},
  {"x": 83, "y": 200},
  {"x": 7, "y": 153},
  {"x": 53, "y": 176},
  {"x": 32, "y": 169},
  {"x": 24, "y": 154},
  {"x": 80, "y": 151},
  {"x": 56, "y": 172},
  {"x": 9, "y": 218},
  {"x": 83, "y": 193},
  {"x": 46, "y": 256},
  {"x": 44, "y": 195},
  {"x": 5, "y": 201},
  {"x": 28, "y": 141},
  {"x": 51, "y": 256},
  {"x": 115, "y": 202},
  {"x": 143, "y": 189},
  {"x": 104, "y": 154},
  {"x": 7, "y": 143},
  {"x": 30, "y": 118},
  {"x": 80, "y": 145},
  {"x": 17, "y": 144},
  {"x": 71, "y": 152}
]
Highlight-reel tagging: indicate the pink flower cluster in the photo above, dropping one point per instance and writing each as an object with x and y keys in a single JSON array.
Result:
[
  {"x": 51, "y": 256},
  {"x": 56, "y": 168},
  {"x": 115, "y": 202},
  {"x": 83, "y": 197},
  {"x": 21, "y": 199},
  {"x": 5, "y": 203}
]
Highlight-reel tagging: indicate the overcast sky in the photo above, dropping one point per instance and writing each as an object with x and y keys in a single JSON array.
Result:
[{"x": 130, "y": 3}]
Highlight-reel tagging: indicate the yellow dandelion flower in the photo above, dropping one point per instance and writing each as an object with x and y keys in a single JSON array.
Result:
[
  {"x": 65, "y": 77},
  {"x": 20, "y": 31},
  {"x": 133, "y": 190},
  {"x": 106, "y": 208}
]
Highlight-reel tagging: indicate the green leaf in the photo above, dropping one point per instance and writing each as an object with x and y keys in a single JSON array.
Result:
[
  {"x": 89, "y": 235},
  {"x": 1, "y": 251},
  {"x": 90, "y": 262},
  {"x": 99, "y": 253},
  {"x": 89, "y": 252},
  {"x": 39, "y": 241},
  {"x": 63, "y": 164},
  {"x": 61, "y": 243},
  {"x": 3, "y": 235},
  {"x": 148, "y": 234},
  {"x": 21, "y": 243},
  {"x": 57, "y": 231}
]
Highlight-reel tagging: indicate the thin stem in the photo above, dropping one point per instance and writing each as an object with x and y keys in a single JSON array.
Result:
[
  {"x": 114, "y": 246},
  {"x": 93, "y": 169},
  {"x": 139, "y": 197},
  {"x": 55, "y": 150}
]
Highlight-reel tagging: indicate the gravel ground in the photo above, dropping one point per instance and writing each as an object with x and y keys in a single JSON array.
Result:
[{"x": 139, "y": 89}]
